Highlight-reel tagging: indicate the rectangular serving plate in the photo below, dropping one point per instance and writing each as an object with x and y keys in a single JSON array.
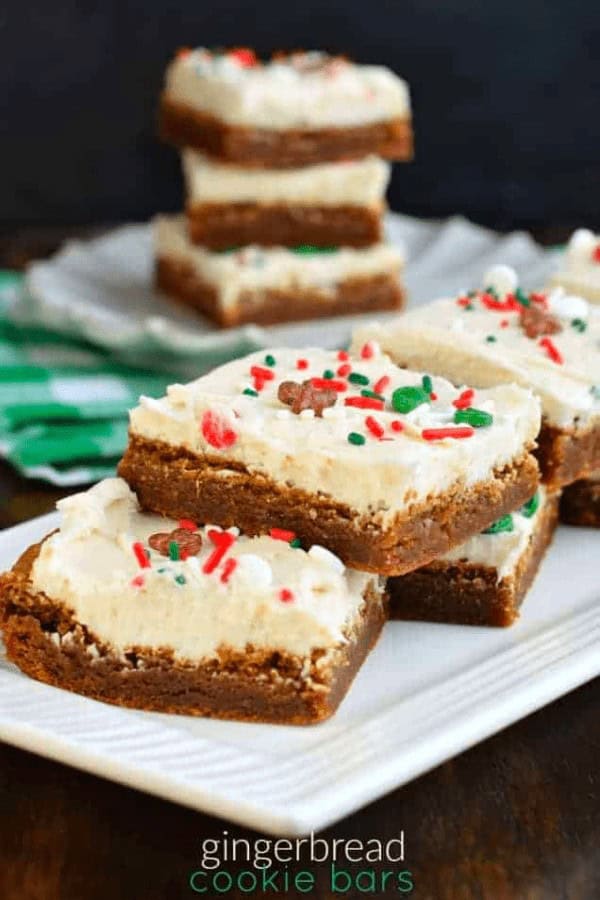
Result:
[{"x": 426, "y": 693}]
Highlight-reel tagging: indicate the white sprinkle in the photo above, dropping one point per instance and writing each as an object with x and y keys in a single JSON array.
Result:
[
  {"x": 326, "y": 556},
  {"x": 502, "y": 278},
  {"x": 255, "y": 570},
  {"x": 567, "y": 306}
]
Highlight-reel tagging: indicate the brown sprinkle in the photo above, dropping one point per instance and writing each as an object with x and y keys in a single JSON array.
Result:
[
  {"x": 536, "y": 322},
  {"x": 189, "y": 543},
  {"x": 305, "y": 396}
]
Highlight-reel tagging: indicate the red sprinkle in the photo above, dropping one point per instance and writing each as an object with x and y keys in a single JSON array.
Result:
[
  {"x": 217, "y": 431},
  {"x": 262, "y": 373},
  {"x": 188, "y": 525},
  {"x": 464, "y": 301},
  {"x": 244, "y": 56},
  {"x": 302, "y": 364},
  {"x": 183, "y": 52},
  {"x": 138, "y": 581},
  {"x": 367, "y": 351},
  {"x": 140, "y": 555},
  {"x": 285, "y": 595},
  {"x": 510, "y": 303},
  {"x": 364, "y": 402},
  {"x": 280, "y": 534},
  {"x": 433, "y": 396},
  {"x": 596, "y": 254},
  {"x": 344, "y": 370},
  {"x": 380, "y": 386},
  {"x": 343, "y": 355},
  {"x": 465, "y": 399},
  {"x": 222, "y": 540},
  {"x": 397, "y": 425},
  {"x": 552, "y": 350},
  {"x": 504, "y": 323},
  {"x": 374, "y": 427},
  {"x": 438, "y": 434},
  {"x": 229, "y": 567},
  {"x": 322, "y": 384}
]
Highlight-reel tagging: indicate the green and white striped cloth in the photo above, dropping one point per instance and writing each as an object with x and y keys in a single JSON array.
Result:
[{"x": 63, "y": 403}]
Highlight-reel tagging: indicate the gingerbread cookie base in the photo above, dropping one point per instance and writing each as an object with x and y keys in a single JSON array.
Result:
[
  {"x": 44, "y": 641},
  {"x": 220, "y": 226},
  {"x": 580, "y": 503},
  {"x": 567, "y": 455},
  {"x": 464, "y": 593},
  {"x": 276, "y": 149},
  {"x": 180, "y": 281},
  {"x": 175, "y": 482}
]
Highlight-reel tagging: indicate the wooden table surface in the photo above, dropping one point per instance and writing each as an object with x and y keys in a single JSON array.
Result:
[{"x": 515, "y": 818}]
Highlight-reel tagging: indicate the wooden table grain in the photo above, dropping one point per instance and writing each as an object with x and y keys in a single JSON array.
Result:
[{"x": 515, "y": 818}]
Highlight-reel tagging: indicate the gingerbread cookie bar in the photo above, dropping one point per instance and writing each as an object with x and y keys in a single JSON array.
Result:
[
  {"x": 580, "y": 502},
  {"x": 548, "y": 342},
  {"x": 293, "y": 110},
  {"x": 149, "y": 613},
  {"x": 579, "y": 269},
  {"x": 325, "y": 205},
  {"x": 484, "y": 581},
  {"x": 377, "y": 463},
  {"x": 268, "y": 285}
]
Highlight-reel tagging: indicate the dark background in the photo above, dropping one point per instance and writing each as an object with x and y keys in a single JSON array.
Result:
[{"x": 505, "y": 96}]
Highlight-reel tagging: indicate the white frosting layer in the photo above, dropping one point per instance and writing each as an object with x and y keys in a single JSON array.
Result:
[
  {"x": 90, "y": 566},
  {"x": 255, "y": 268},
  {"x": 354, "y": 183},
  {"x": 300, "y": 91},
  {"x": 502, "y": 550},
  {"x": 580, "y": 265},
  {"x": 452, "y": 340},
  {"x": 380, "y": 477}
]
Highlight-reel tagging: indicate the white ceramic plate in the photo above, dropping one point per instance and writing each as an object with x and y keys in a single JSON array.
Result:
[
  {"x": 426, "y": 693},
  {"x": 102, "y": 290}
]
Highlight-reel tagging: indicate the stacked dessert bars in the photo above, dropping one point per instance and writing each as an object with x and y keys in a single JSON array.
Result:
[
  {"x": 579, "y": 273},
  {"x": 286, "y": 169},
  {"x": 548, "y": 342},
  {"x": 237, "y": 566}
]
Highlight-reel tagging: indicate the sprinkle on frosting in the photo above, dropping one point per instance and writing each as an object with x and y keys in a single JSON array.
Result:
[
  {"x": 405, "y": 399},
  {"x": 300, "y": 397},
  {"x": 552, "y": 350},
  {"x": 440, "y": 434},
  {"x": 222, "y": 540},
  {"x": 505, "y": 523},
  {"x": 141, "y": 555},
  {"x": 477, "y": 418},
  {"x": 355, "y": 438},
  {"x": 217, "y": 431},
  {"x": 281, "y": 534},
  {"x": 184, "y": 540}
]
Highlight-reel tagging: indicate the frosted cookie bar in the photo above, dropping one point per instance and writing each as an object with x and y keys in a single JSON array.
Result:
[
  {"x": 325, "y": 205},
  {"x": 546, "y": 341},
  {"x": 382, "y": 466},
  {"x": 484, "y": 581},
  {"x": 293, "y": 110},
  {"x": 142, "y": 611},
  {"x": 274, "y": 284}
]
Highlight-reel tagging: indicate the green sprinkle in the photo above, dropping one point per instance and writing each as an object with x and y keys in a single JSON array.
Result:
[
  {"x": 405, "y": 399},
  {"x": 522, "y": 297},
  {"x": 477, "y": 418},
  {"x": 427, "y": 383},
  {"x": 372, "y": 395},
  {"x": 249, "y": 392},
  {"x": 491, "y": 339},
  {"x": 579, "y": 325},
  {"x": 161, "y": 570},
  {"x": 269, "y": 360},
  {"x": 357, "y": 378},
  {"x": 230, "y": 249},
  {"x": 328, "y": 373},
  {"x": 469, "y": 307},
  {"x": 530, "y": 508},
  {"x": 504, "y": 524},
  {"x": 173, "y": 551},
  {"x": 471, "y": 294},
  {"x": 296, "y": 542},
  {"x": 310, "y": 248},
  {"x": 491, "y": 290},
  {"x": 180, "y": 579},
  {"x": 355, "y": 438}
]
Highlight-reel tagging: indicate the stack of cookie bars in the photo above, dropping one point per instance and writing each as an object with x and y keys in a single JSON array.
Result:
[
  {"x": 549, "y": 342},
  {"x": 286, "y": 169}
]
